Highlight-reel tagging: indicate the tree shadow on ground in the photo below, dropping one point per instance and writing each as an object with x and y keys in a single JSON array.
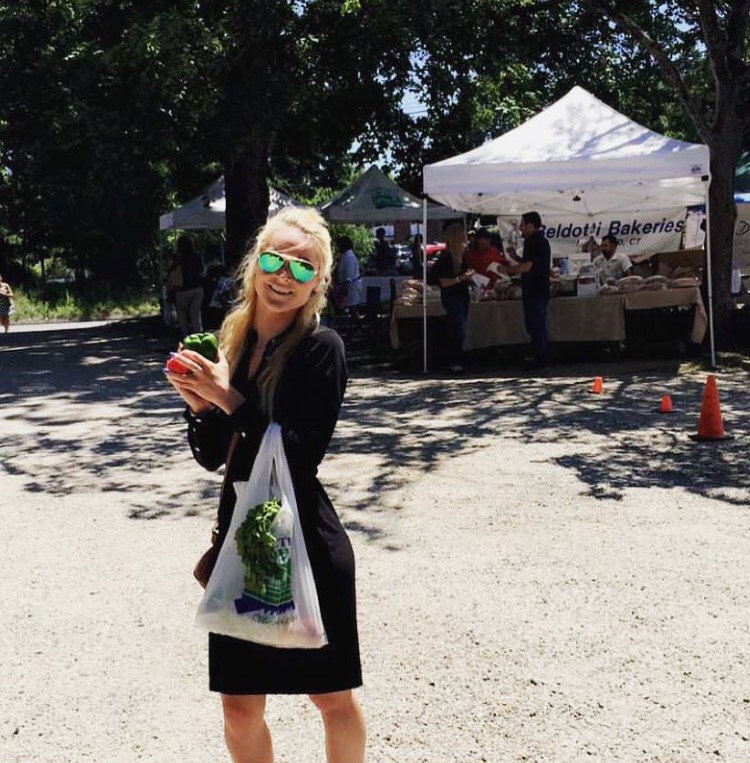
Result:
[
  {"x": 617, "y": 440},
  {"x": 88, "y": 410}
]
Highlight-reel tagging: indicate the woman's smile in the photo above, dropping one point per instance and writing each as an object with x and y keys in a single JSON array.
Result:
[{"x": 278, "y": 290}]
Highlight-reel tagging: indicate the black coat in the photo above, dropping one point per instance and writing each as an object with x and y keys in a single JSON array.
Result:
[{"x": 307, "y": 402}]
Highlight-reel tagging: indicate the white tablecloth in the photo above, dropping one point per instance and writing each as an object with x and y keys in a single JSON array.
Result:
[{"x": 569, "y": 319}]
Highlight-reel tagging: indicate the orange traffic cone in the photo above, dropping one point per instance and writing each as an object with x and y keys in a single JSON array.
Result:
[
  {"x": 596, "y": 387},
  {"x": 710, "y": 426},
  {"x": 666, "y": 404}
]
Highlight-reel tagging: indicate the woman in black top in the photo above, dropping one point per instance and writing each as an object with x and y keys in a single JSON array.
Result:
[
  {"x": 276, "y": 363},
  {"x": 189, "y": 295},
  {"x": 452, "y": 275}
]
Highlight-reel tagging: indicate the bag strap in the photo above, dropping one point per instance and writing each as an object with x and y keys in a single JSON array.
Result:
[{"x": 230, "y": 450}]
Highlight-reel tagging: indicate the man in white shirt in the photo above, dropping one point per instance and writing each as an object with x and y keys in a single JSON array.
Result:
[
  {"x": 348, "y": 280},
  {"x": 611, "y": 264}
]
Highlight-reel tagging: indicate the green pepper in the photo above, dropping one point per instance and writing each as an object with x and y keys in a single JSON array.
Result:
[{"x": 205, "y": 343}]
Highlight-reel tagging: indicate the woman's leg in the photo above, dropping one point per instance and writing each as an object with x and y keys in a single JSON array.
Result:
[
  {"x": 181, "y": 308},
  {"x": 344, "y": 725},
  {"x": 5, "y": 322},
  {"x": 195, "y": 311},
  {"x": 456, "y": 309},
  {"x": 245, "y": 731}
]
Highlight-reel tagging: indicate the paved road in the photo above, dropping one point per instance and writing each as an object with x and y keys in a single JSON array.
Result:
[
  {"x": 544, "y": 575},
  {"x": 25, "y": 328}
]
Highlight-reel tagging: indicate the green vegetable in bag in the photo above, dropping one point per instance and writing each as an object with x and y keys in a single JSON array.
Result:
[
  {"x": 256, "y": 545},
  {"x": 204, "y": 343}
]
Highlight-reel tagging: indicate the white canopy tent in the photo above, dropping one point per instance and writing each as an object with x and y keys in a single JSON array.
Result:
[
  {"x": 206, "y": 211},
  {"x": 578, "y": 157},
  {"x": 374, "y": 198}
]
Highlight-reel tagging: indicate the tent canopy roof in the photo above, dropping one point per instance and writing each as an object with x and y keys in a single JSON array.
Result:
[
  {"x": 207, "y": 210},
  {"x": 375, "y": 198},
  {"x": 577, "y": 156}
]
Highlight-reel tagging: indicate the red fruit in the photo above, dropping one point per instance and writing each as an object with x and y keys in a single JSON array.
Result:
[{"x": 177, "y": 366}]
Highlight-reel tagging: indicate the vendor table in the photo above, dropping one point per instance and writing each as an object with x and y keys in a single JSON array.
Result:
[
  {"x": 383, "y": 283},
  {"x": 569, "y": 319}
]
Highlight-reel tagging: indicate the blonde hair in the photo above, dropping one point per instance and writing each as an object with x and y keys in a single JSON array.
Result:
[
  {"x": 455, "y": 239},
  {"x": 239, "y": 322}
]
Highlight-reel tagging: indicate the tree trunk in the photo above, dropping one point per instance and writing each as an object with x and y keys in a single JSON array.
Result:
[
  {"x": 722, "y": 213},
  {"x": 724, "y": 144},
  {"x": 245, "y": 181}
]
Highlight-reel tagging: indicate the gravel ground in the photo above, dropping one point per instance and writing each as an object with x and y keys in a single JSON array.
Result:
[{"x": 544, "y": 575}]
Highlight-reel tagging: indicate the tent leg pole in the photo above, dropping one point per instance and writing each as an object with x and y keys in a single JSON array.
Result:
[
  {"x": 709, "y": 281},
  {"x": 424, "y": 285}
]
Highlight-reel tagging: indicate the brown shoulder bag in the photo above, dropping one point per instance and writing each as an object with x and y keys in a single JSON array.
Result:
[{"x": 207, "y": 562}]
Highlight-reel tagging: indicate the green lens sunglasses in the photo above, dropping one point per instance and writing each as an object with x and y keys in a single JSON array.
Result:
[{"x": 301, "y": 270}]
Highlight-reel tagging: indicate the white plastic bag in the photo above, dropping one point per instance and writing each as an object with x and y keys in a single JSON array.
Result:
[{"x": 287, "y": 616}]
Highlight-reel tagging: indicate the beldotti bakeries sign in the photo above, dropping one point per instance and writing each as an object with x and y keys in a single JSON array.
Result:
[{"x": 637, "y": 233}]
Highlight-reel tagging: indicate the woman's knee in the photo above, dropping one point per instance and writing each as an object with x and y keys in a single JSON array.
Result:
[
  {"x": 334, "y": 702},
  {"x": 242, "y": 711}
]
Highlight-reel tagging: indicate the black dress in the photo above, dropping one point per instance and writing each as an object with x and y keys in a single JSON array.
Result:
[
  {"x": 455, "y": 300},
  {"x": 307, "y": 402}
]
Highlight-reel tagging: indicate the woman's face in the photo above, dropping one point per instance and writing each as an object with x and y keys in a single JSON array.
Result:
[{"x": 279, "y": 292}]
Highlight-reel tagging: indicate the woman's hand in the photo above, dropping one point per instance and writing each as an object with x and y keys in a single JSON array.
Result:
[
  {"x": 195, "y": 402},
  {"x": 205, "y": 383}
]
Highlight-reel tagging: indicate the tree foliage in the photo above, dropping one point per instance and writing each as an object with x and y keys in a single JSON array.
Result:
[
  {"x": 680, "y": 68},
  {"x": 113, "y": 110},
  {"x": 486, "y": 71},
  {"x": 702, "y": 51}
]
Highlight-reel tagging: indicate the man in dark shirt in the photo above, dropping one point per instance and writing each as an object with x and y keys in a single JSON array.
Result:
[
  {"x": 534, "y": 269},
  {"x": 385, "y": 261}
]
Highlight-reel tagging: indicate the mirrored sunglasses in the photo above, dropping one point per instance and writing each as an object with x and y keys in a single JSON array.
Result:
[{"x": 301, "y": 270}]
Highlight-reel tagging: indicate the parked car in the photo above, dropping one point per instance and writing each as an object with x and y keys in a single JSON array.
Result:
[
  {"x": 433, "y": 252},
  {"x": 434, "y": 249},
  {"x": 404, "y": 264}
]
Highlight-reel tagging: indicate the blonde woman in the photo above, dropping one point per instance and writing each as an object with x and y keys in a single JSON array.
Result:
[
  {"x": 452, "y": 274},
  {"x": 276, "y": 363}
]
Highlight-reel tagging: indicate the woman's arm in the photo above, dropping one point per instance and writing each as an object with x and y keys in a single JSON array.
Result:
[
  {"x": 309, "y": 398},
  {"x": 455, "y": 280},
  {"x": 208, "y": 434},
  {"x": 443, "y": 269},
  {"x": 215, "y": 410},
  {"x": 206, "y": 383}
]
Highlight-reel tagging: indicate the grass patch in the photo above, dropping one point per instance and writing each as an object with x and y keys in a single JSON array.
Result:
[{"x": 68, "y": 302}]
